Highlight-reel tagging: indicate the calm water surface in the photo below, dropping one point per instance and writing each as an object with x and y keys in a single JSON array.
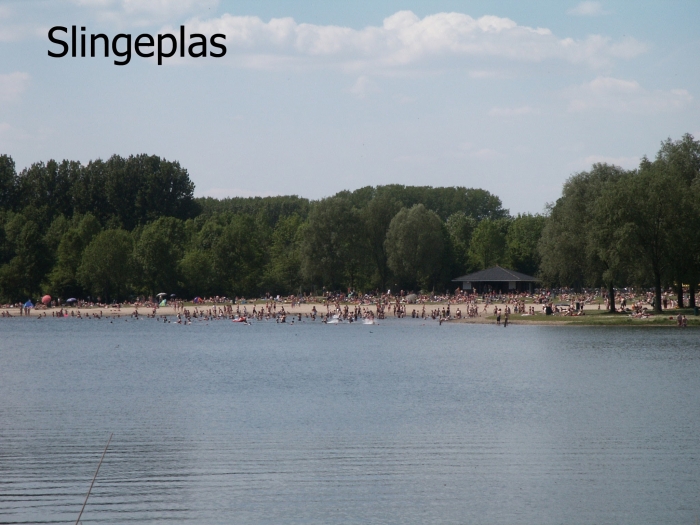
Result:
[{"x": 315, "y": 424}]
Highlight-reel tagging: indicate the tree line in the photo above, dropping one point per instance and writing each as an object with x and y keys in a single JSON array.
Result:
[
  {"x": 616, "y": 228},
  {"x": 132, "y": 226}
]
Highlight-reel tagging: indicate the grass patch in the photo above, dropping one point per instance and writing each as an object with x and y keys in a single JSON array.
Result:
[{"x": 604, "y": 318}]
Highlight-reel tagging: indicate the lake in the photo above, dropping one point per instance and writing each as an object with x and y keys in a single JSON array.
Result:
[{"x": 401, "y": 422}]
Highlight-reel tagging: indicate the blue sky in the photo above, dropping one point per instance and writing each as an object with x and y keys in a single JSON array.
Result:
[{"x": 315, "y": 97}]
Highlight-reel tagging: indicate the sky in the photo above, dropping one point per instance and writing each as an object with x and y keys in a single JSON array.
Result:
[{"x": 314, "y": 97}]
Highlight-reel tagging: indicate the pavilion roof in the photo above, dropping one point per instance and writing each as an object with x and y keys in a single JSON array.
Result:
[{"x": 495, "y": 274}]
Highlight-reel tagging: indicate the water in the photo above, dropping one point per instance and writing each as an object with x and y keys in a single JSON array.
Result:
[{"x": 397, "y": 423}]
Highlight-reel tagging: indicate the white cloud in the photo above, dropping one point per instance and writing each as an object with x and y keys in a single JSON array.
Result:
[
  {"x": 481, "y": 73},
  {"x": 484, "y": 154},
  {"x": 362, "y": 87},
  {"x": 144, "y": 12},
  {"x": 12, "y": 85},
  {"x": 95, "y": 3},
  {"x": 10, "y": 135},
  {"x": 405, "y": 99},
  {"x": 624, "y": 96},
  {"x": 470, "y": 150},
  {"x": 12, "y": 31},
  {"x": 415, "y": 158},
  {"x": 167, "y": 8},
  {"x": 512, "y": 112},
  {"x": 587, "y": 8},
  {"x": 572, "y": 147},
  {"x": 402, "y": 40}
]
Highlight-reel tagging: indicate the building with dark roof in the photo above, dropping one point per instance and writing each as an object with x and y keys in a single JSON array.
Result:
[{"x": 497, "y": 279}]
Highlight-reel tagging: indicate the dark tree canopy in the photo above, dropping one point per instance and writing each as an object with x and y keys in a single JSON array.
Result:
[
  {"x": 121, "y": 191},
  {"x": 415, "y": 244},
  {"x": 476, "y": 203},
  {"x": 271, "y": 208},
  {"x": 622, "y": 228},
  {"x": 65, "y": 226}
]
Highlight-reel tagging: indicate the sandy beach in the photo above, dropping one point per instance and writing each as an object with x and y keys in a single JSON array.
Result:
[{"x": 306, "y": 309}]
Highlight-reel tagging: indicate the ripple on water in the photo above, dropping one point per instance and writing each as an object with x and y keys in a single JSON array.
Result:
[{"x": 396, "y": 423}]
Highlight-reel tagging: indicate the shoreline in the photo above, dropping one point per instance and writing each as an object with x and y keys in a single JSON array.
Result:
[{"x": 592, "y": 317}]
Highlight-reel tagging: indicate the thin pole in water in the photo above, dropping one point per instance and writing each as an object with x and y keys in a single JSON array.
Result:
[{"x": 93, "y": 479}]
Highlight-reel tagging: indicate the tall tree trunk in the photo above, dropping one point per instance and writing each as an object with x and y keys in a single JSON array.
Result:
[
  {"x": 657, "y": 292},
  {"x": 692, "y": 292},
  {"x": 611, "y": 297},
  {"x": 679, "y": 285}
]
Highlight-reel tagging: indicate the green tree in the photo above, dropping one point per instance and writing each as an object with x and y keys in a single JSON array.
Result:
[
  {"x": 89, "y": 193},
  {"x": 13, "y": 282},
  {"x": 197, "y": 271},
  {"x": 330, "y": 246},
  {"x": 21, "y": 277},
  {"x": 238, "y": 257},
  {"x": 157, "y": 253},
  {"x": 211, "y": 230},
  {"x": 47, "y": 187},
  {"x": 681, "y": 160},
  {"x": 284, "y": 265},
  {"x": 142, "y": 188},
  {"x": 693, "y": 245},
  {"x": 6, "y": 250},
  {"x": 273, "y": 208},
  {"x": 573, "y": 246},
  {"x": 63, "y": 280},
  {"x": 460, "y": 228},
  {"x": 488, "y": 243},
  {"x": 650, "y": 217},
  {"x": 522, "y": 239},
  {"x": 415, "y": 244},
  {"x": 8, "y": 183},
  {"x": 107, "y": 265},
  {"x": 606, "y": 240},
  {"x": 52, "y": 237},
  {"x": 376, "y": 217}
]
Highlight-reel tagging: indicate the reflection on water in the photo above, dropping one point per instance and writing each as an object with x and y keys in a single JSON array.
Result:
[{"x": 396, "y": 423}]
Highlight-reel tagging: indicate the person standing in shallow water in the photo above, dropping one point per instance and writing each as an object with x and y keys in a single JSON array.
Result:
[{"x": 498, "y": 317}]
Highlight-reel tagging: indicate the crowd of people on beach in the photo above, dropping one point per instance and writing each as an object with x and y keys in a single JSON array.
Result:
[{"x": 367, "y": 308}]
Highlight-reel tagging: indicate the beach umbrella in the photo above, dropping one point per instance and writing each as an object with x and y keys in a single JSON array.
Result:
[
  {"x": 173, "y": 295},
  {"x": 29, "y": 304},
  {"x": 46, "y": 299},
  {"x": 160, "y": 294},
  {"x": 71, "y": 300}
]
